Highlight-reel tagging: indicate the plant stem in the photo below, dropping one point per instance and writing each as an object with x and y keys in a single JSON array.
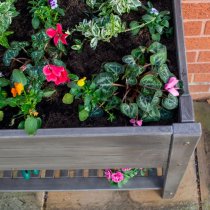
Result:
[
  {"x": 118, "y": 85},
  {"x": 140, "y": 26}
]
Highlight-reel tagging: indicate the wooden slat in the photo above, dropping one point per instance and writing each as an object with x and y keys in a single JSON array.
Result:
[
  {"x": 85, "y": 173},
  {"x": 100, "y": 173},
  {"x": 71, "y": 173},
  {"x": 78, "y": 183},
  {"x": 14, "y": 173},
  {"x": 1, "y": 174},
  {"x": 7, "y": 173},
  {"x": 159, "y": 171},
  {"x": 42, "y": 173},
  {"x": 49, "y": 174}
]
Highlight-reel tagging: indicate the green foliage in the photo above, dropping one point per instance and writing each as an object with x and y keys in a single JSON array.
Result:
[
  {"x": 83, "y": 115},
  {"x": 157, "y": 22},
  {"x": 42, "y": 14},
  {"x": 1, "y": 115},
  {"x": 13, "y": 51},
  {"x": 68, "y": 98},
  {"x": 101, "y": 29},
  {"x": 135, "y": 87},
  {"x": 7, "y": 13},
  {"x": 118, "y": 6},
  {"x": 31, "y": 125}
]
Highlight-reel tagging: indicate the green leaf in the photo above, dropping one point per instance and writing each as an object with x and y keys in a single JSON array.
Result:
[
  {"x": 68, "y": 98},
  {"x": 147, "y": 18},
  {"x": 18, "y": 76},
  {"x": 171, "y": 102},
  {"x": 97, "y": 112},
  {"x": 114, "y": 68},
  {"x": 131, "y": 81},
  {"x": 35, "y": 22},
  {"x": 156, "y": 37},
  {"x": 144, "y": 102},
  {"x": 83, "y": 115},
  {"x": 31, "y": 125},
  {"x": 73, "y": 77},
  {"x": 58, "y": 62},
  {"x": 152, "y": 116},
  {"x": 128, "y": 59},
  {"x": 151, "y": 82},
  {"x": 1, "y": 116},
  {"x": 48, "y": 93},
  {"x": 4, "y": 41},
  {"x": 4, "y": 82},
  {"x": 130, "y": 110},
  {"x": 39, "y": 122},
  {"x": 104, "y": 79},
  {"x": 166, "y": 114},
  {"x": 155, "y": 47},
  {"x": 134, "y": 26},
  {"x": 159, "y": 58},
  {"x": 21, "y": 125},
  {"x": 164, "y": 73}
]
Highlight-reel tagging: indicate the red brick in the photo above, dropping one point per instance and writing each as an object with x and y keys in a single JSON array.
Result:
[
  {"x": 191, "y": 56},
  {"x": 192, "y": 28},
  {"x": 204, "y": 57},
  {"x": 198, "y": 96},
  {"x": 190, "y": 77},
  {"x": 199, "y": 88},
  {"x": 197, "y": 43},
  {"x": 202, "y": 78},
  {"x": 196, "y": 10},
  {"x": 207, "y": 28},
  {"x": 199, "y": 68}
]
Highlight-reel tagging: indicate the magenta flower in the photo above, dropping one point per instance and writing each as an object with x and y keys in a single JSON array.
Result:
[
  {"x": 57, "y": 34},
  {"x": 117, "y": 177},
  {"x": 56, "y": 74},
  {"x": 170, "y": 86},
  {"x": 136, "y": 122},
  {"x": 108, "y": 174},
  {"x": 126, "y": 169}
]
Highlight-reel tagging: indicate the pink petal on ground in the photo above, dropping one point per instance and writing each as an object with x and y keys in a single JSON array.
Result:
[
  {"x": 171, "y": 83},
  {"x": 46, "y": 70},
  {"x": 59, "y": 28},
  {"x": 56, "y": 39},
  {"x": 63, "y": 39},
  {"x": 139, "y": 123},
  {"x": 51, "y": 32},
  {"x": 173, "y": 91}
]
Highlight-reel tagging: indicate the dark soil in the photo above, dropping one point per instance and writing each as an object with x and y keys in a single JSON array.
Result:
[{"x": 53, "y": 112}]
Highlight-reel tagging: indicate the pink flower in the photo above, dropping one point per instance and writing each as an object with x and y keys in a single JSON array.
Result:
[
  {"x": 170, "y": 86},
  {"x": 136, "y": 122},
  {"x": 108, "y": 174},
  {"x": 126, "y": 169},
  {"x": 56, "y": 74},
  {"x": 117, "y": 177},
  {"x": 57, "y": 34}
]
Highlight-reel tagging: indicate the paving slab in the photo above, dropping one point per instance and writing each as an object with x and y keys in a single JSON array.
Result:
[{"x": 19, "y": 201}]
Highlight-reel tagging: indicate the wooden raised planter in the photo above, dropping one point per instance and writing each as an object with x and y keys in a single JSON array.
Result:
[{"x": 169, "y": 147}]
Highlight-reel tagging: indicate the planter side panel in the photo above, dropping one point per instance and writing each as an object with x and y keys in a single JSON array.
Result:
[{"x": 110, "y": 148}]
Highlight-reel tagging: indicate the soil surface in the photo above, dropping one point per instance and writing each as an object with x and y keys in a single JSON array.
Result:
[{"x": 52, "y": 111}]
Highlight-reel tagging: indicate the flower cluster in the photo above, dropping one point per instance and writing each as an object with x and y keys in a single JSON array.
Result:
[
  {"x": 121, "y": 176},
  {"x": 56, "y": 74},
  {"x": 17, "y": 89},
  {"x": 53, "y": 4}
]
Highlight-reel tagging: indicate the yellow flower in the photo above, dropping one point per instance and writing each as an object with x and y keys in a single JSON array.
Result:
[
  {"x": 17, "y": 89},
  {"x": 81, "y": 82},
  {"x": 33, "y": 112}
]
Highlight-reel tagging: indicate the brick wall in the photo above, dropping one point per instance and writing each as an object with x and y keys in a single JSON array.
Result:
[{"x": 197, "y": 39}]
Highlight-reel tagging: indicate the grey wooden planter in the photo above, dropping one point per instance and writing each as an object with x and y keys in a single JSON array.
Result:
[{"x": 169, "y": 147}]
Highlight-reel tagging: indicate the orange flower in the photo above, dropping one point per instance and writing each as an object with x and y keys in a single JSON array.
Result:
[
  {"x": 14, "y": 92},
  {"x": 18, "y": 89}
]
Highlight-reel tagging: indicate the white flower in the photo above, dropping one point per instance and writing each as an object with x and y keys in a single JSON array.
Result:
[{"x": 154, "y": 11}]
